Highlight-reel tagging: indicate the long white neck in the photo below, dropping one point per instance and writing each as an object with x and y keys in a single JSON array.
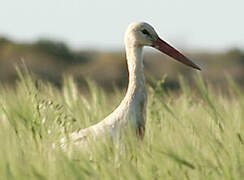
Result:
[
  {"x": 132, "y": 107},
  {"x": 136, "y": 84}
]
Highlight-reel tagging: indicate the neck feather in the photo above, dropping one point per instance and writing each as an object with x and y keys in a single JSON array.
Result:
[{"x": 134, "y": 56}]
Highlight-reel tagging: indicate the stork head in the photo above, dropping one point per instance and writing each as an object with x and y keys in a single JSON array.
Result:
[{"x": 143, "y": 34}]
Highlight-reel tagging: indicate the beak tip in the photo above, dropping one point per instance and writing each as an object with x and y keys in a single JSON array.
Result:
[{"x": 198, "y": 68}]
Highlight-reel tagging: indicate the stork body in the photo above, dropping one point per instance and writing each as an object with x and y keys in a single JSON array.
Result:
[{"x": 132, "y": 110}]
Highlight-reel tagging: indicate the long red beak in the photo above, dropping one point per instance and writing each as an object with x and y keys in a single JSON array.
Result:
[{"x": 172, "y": 52}]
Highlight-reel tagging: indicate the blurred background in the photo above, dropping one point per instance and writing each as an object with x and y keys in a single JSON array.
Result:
[{"x": 84, "y": 39}]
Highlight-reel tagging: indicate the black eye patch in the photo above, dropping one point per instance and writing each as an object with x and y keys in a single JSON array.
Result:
[{"x": 144, "y": 31}]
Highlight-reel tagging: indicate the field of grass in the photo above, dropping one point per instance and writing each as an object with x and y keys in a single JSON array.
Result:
[{"x": 189, "y": 134}]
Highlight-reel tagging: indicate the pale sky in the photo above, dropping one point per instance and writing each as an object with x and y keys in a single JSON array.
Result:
[{"x": 213, "y": 25}]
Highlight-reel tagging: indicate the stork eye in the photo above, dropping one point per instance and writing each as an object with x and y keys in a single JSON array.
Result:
[{"x": 144, "y": 31}]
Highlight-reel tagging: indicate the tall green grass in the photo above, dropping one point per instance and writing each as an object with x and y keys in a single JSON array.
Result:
[{"x": 189, "y": 135}]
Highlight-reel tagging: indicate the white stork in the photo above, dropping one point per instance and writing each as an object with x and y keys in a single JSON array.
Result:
[{"x": 132, "y": 110}]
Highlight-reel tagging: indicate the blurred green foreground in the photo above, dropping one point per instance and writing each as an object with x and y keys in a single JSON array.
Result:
[{"x": 190, "y": 134}]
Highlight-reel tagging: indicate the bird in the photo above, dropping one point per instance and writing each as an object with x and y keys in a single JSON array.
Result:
[{"x": 131, "y": 112}]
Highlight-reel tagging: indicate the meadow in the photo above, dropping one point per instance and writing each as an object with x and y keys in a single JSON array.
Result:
[{"x": 190, "y": 134}]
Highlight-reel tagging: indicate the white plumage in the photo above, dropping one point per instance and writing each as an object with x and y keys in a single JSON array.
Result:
[{"x": 132, "y": 110}]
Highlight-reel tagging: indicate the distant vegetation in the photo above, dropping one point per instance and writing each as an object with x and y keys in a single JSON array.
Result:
[{"x": 50, "y": 60}]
